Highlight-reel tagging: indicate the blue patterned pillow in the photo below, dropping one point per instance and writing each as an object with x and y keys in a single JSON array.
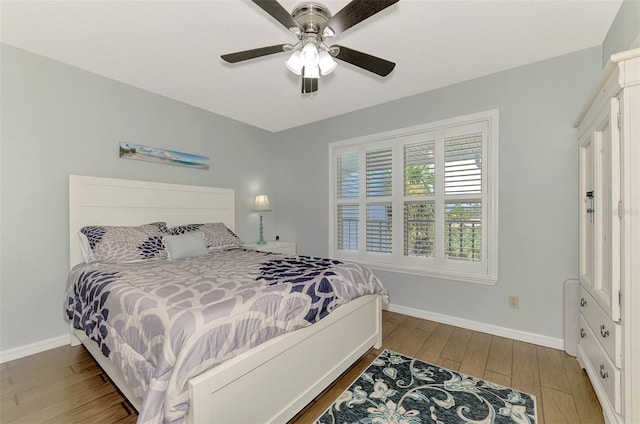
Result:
[
  {"x": 126, "y": 244},
  {"x": 216, "y": 235}
]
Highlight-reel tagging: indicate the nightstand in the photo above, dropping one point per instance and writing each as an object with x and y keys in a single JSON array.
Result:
[{"x": 286, "y": 247}]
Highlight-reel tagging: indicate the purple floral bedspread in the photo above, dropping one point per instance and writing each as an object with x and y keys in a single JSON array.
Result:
[{"x": 163, "y": 322}]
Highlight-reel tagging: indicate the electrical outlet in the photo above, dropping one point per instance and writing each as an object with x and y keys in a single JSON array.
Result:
[{"x": 514, "y": 302}]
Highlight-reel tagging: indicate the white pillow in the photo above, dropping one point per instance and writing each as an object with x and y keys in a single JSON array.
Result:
[
  {"x": 85, "y": 247},
  {"x": 187, "y": 245}
]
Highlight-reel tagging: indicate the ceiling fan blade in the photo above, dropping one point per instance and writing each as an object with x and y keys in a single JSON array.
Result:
[
  {"x": 365, "y": 61},
  {"x": 356, "y": 12},
  {"x": 279, "y": 13},
  {"x": 253, "y": 53}
]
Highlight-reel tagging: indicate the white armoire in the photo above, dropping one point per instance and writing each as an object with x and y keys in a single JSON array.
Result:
[{"x": 609, "y": 140}]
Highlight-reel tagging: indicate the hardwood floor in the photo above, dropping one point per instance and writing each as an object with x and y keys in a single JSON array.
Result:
[{"x": 65, "y": 385}]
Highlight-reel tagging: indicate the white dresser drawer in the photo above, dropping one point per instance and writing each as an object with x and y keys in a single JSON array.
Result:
[
  {"x": 608, "y": 375},
  {"x": 608, "y": 333}
]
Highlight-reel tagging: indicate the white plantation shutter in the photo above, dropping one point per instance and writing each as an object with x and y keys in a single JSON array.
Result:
[
  {"x": 463, "y": 231},
  {"x": 379, "y": 173},
  {"x": 348, "y": 227},
  {"x": 419, "y": 171},
  {"x": 419, "y": 168},
  {"x": 379, "y": 184},
  {"x": 441, "y": 181},
  {"x": 419, "y": 229},
  {"x": 463, "y": 214},
  {"x": 348, "y": 176},
  {"x": 463, "y": 164},
  {"x": 348, "y": 214},
  {"x": 379, "y": 230}
]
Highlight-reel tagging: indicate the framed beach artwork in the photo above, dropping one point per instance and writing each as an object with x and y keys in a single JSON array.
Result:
[{"x": 159, "y": 155}]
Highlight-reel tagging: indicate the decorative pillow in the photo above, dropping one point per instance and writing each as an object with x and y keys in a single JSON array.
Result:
[
  {"x": 187, "y": 245},
  {"x": 85, "y": 247},
  {"x": 216, "y": 235},
  {"x": 125, "y": 244}
]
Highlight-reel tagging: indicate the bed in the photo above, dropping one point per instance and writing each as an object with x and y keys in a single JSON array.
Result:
[{"x": 277, "y": 377}]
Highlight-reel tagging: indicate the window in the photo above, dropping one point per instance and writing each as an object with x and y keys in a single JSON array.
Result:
[{"x": 421, "y": 200}]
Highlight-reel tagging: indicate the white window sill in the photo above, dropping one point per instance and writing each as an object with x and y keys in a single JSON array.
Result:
[{"x": 489, "y": 280}]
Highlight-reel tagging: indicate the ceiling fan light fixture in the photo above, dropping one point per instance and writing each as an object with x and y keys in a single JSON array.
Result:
[
  {"x": 326, "y": 63},
  {"x": 310, "y": 55},
  {"x": 312, "y": 23},
  {"x": 294, "y": 63}
]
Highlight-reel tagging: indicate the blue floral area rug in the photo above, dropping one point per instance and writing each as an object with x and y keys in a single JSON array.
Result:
[{"x": 402, "y": 390}]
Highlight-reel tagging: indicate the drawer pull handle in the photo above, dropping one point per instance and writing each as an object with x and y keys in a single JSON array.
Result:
[
  {"x": 583, "y": 333},
  {"x": 583, "y": 302},
  {"x": 603, "y": 373},
  {"x": 603, "y": 331}
]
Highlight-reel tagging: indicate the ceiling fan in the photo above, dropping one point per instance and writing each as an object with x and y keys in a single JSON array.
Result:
[{"x": 312, "y": 23}]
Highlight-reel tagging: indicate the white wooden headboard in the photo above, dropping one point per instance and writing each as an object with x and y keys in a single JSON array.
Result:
[{"x": 109, "y": 201}]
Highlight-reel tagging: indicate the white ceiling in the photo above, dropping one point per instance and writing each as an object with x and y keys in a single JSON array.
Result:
[{"x": 173, "y": 48}]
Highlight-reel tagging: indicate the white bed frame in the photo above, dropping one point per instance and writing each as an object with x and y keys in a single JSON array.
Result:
[{"x": 271, "y": 382}]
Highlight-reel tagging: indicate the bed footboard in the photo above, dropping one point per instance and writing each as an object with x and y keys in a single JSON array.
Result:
[{"x": 274, "y": 381}]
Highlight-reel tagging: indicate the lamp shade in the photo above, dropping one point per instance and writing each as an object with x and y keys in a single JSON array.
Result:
[
  {"x": 309, "y": 55},
  {"x": 262, "y": 203},
  {"x": 327, "y": 64},
  {"x": 294, "y": 64}
]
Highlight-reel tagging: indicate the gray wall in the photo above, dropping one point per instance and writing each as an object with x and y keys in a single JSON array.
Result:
[
  {"x": 58, "y": 120},
  {"x": 538, "y": 178},
  {"x": 624, "y": 33}
]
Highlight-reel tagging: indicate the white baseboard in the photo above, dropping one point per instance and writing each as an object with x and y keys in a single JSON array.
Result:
[
  {"x": 33, "y": 348},
  {"x": 495, "y": 330}
]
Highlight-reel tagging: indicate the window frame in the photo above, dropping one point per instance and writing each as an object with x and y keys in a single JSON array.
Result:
[{"x": 482, "y": 272}]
